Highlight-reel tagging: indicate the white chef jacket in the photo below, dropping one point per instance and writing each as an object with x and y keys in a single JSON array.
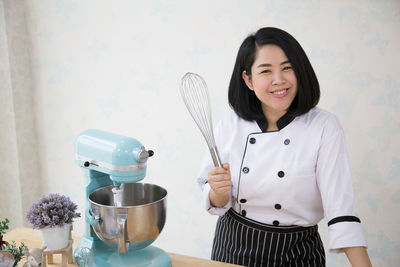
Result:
[{"x": 293, "y": 176}]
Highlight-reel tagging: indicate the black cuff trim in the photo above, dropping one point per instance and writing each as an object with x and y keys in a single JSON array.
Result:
[{"x": 344, "y": 219}]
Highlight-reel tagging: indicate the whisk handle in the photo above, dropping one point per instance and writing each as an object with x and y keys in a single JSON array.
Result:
[{"x": 215, "y": 157}]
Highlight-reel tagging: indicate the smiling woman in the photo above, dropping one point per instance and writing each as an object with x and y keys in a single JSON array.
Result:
[
  {"x": 277, "y": 140},
  {"x": 273, "y": 81}
]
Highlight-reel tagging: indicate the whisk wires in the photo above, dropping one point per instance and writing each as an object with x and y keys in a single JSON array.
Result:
[
  {"x": 195, "y": 95},
  {"x": 196, "y": 98}
]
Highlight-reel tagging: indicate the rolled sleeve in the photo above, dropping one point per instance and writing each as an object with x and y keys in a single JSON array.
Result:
[{"x": 345, "y": 234}]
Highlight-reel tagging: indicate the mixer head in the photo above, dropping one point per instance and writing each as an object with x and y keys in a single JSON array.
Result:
[{"x": 122, "y": 158}]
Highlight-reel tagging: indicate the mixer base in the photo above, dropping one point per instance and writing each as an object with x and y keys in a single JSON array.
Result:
[{"x": 107, "y": 256}]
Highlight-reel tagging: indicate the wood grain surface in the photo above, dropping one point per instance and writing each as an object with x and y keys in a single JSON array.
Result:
[{"x": 32, "y": 239}]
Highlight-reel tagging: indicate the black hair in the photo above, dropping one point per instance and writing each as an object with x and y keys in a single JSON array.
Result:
[{"x": 244, "y": 101}]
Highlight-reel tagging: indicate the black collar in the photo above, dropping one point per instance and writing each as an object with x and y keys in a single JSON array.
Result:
[{"x": 281, "y": 123}]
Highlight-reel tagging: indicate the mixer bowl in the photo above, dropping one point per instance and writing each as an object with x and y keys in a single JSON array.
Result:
[{"x": 133, "y": 220}]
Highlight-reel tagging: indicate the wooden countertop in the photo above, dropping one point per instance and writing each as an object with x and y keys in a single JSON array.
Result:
[{"x": 32, "y": 239}]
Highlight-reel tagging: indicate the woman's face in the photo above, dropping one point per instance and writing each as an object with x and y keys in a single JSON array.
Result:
[{"x": 272, "y": 79}]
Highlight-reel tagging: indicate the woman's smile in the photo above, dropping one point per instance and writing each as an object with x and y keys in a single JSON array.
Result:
[{"x": 280, "y": 92}]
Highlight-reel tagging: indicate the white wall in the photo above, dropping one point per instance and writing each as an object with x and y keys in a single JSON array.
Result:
[{"x": 117, "y": 65}]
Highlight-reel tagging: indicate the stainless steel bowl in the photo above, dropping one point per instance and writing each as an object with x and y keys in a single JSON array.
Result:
[{"x": 131, "y": 216}]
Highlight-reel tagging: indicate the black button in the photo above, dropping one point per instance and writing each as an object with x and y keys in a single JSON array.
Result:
[
  {"x": 252, "y": 140},
  {"x": 243, "y": 200},
  {"x": 287, "y": 141},
  {"x": 86, "y": 164},
  {"x": 246, "y": 170},
  {"x": 276, "y": 223},
  {"x": 244, "y": 212},
  {"x": 281, "y": 174},
  {"x": 278, "y": 206}
]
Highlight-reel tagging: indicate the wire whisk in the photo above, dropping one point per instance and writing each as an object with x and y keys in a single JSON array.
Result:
[{"x": 195, "y": 95}]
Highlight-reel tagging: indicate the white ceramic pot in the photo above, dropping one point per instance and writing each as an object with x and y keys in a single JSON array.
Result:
[{"x": 55, "y": 238}]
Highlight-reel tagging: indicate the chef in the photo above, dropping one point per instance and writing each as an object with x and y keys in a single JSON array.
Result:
[{"x": 286, "y": 164}]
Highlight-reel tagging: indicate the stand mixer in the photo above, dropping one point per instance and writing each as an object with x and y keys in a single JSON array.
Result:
[{"x": 123, "y": 217}]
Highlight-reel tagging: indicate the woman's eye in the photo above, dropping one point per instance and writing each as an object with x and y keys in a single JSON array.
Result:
[
  {"x": 287, "y": 68},
  {"x": 265, "y": 71}
]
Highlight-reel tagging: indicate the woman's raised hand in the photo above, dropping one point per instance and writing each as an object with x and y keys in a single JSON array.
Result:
[{"x": 220, "y": 182}]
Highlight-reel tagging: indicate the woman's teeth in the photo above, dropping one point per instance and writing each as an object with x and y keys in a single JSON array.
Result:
[{"x": 280, "y": 92}]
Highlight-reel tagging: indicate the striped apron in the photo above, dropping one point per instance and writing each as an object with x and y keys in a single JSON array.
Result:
[{"x": 240, "y": 240}]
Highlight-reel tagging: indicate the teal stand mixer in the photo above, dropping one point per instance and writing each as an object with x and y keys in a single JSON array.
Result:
[{"x": 123, "y": 217}]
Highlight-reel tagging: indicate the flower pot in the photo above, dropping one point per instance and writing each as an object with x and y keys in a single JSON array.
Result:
[{"x": 55, "y": 238}]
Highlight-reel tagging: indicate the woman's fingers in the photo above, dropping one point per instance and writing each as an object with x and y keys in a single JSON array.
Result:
[
  {"x": 221, "y": 190},
  {"x": 217, "y": 171},
  {"x": 219, "y": 180},
  {"x": 220, "y": 184},
  {"x": 219, "y": 177},
  {"x": 220, "y": 173},
  {"x": 225, "y": 166}
]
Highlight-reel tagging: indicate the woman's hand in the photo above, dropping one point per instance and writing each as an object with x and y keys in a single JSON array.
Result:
[{"x": 220, "y": 182}]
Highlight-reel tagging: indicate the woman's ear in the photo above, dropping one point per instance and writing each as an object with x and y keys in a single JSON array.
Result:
[{"x": 247, "y": 80}]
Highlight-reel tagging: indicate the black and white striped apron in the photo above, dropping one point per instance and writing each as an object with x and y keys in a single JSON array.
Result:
[{"x": 240, "y": 240}]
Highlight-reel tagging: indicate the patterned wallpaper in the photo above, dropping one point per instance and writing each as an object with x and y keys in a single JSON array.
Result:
[{"x": 117, "y": 66}]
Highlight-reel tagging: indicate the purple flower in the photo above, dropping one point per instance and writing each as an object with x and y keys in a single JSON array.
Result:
[
  {"x": 56, "y": 219},
  {"x": 37, "y": 220},
  {"x": 52, "y": 210},
  {"x": 46, "y": 219}
]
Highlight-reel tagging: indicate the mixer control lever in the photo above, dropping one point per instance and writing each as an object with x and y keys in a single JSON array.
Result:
[
  {"x": 143, "y": 154},
  {"x": 87, "y": 164}
]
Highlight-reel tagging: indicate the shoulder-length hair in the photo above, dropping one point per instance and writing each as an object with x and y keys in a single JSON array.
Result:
[{"x": 244, "y": 101}]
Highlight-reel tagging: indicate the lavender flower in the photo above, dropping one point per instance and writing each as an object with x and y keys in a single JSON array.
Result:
[{"x": 52, "y": 210}]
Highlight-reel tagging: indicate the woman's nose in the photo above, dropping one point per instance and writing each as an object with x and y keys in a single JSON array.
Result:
[{"x": 277, "y": 78}]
